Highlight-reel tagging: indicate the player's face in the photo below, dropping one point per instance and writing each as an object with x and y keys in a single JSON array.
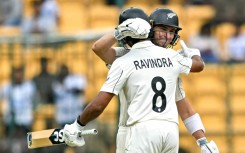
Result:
[{"x": 163, "y": 35}]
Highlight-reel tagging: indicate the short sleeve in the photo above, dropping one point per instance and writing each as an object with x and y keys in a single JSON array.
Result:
[
  {"x": 115, "y": 79},
  {"x": 120, "y": 51},
  {"x": 185, "y": 63}
]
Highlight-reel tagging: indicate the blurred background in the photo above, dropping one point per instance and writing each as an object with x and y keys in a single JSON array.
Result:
[{"x": 48, "y": 72}]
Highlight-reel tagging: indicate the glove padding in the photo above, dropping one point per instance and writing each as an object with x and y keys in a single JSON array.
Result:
[
  {"x": 189, "y": 52},
  {"x": 134, "y": 28},
  {"x": 72, "y": 135},
  {"x": 207, "y": 147}
]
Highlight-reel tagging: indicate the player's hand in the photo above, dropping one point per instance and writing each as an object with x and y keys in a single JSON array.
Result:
[
  {"x": 72, "y": 135},
  {"x": 207, "y": 147},
  {"x": 134, "y": 28},
  {"x": 188, "y": 52}
]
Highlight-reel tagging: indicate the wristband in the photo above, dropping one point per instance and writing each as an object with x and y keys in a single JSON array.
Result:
[
  {"x": 194, "y": 123},
  {"x": 78, "y": 121}
]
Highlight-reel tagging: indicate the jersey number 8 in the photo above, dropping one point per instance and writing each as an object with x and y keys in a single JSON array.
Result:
[{"x": 158, "y": 93}]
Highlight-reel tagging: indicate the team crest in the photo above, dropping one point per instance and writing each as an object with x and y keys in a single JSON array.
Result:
[{"x": 171, "y": 15}]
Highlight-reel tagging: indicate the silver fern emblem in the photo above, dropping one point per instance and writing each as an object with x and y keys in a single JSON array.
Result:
[{"x": 170, "y": 15}]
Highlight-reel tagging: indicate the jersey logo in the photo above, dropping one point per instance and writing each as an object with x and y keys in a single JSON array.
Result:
[{"x": 171, "y": 15}]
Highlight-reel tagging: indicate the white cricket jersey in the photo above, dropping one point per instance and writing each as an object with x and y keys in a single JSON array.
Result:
[
  {"x": 120, "y": 51},
  {"x": 179, "y": 94},
  {"x": 147, "y": 75}
]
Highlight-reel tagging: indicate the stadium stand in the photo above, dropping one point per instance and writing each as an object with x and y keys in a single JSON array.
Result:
[
  {"x": 238, "y": 142},
  {"x": 101, "y": 16},
  {"x": 223, "y": 31},
  {"x": 73, "y": 16}
]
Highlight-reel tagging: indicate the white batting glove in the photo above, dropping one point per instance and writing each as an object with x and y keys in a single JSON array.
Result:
[
  {"x": 188, "y": 52},
  {"x": 181, "y": 52},
  {"x": 71, "y": 135},
  {"x": 134, "y": 28},
  {"x": 207, "y": 147}
]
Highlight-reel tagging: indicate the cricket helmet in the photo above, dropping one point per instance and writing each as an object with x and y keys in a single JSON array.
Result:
[
  {"x": 132, "y": 12},
  {"x": 166, "y": 17}
]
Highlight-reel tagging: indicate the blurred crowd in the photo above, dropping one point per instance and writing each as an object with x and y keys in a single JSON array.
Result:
[
  {"x": 43, "y": 19},
  {"x": 213, "y": 51},
  {"x": 22, "y": 98}
]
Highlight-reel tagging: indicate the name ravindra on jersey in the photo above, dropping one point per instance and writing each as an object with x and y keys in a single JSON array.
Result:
[{"x": 153, "y": 63}]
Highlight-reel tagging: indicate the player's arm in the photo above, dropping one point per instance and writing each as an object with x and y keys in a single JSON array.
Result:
[
  {"x": 194, "y": 54},
  {"x": 185, "y": 111},
  {"x": 103, "y": 48},
  {"x": 184, "y": 107},
  {"x": 96, "y": 107},
  {"x": 92, "y": 111},
  {"x": 197, "y": 64},
  {"x": 135, "y": 28},
  {"x": 191, "y": 119},
  {"x": 195, "y": 126}
]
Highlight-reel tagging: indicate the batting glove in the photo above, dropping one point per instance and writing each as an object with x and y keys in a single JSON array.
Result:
[
  {"x": 189, "y": 52},
  {"x": 134, "y": 28},
  {"x": 207, "y": 147},
  {"x": 72, "y": 135}
]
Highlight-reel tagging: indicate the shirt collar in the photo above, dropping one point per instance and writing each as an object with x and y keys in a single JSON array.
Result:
[{"x": 142, "y": 44}]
